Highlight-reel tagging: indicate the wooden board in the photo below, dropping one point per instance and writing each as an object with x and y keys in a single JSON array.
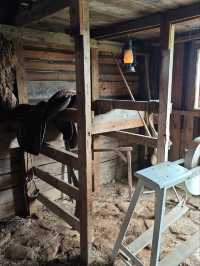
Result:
[{"x": 116, "y": 120}]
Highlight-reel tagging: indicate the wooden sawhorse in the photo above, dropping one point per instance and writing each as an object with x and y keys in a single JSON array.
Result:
[{"x": 158, "y": 178}]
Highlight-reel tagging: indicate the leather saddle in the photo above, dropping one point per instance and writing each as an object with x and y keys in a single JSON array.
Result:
[{"x": 33, "y": 120}]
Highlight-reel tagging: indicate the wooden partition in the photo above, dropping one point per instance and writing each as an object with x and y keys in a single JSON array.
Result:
[
  {"x": 56, "y": 68},
  {"x": 43, "y": 69}
]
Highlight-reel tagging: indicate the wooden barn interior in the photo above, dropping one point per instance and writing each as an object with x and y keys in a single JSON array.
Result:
[{"x": 72, "y": 168}]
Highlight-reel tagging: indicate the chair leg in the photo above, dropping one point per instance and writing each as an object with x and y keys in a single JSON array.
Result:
[
  {"x": 159, "y": 214},
  {"x": 128, "y": 216}
]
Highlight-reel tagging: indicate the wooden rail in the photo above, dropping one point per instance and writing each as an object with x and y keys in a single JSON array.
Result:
[
  {"x": 107, "y": 105},
  {"x": 193, "y": 113},
  {"x": 57, "y": 183},
  {"x": 134, "y": 138},
  {"x": 60, "y": 211},
  {"x": 60, "y": 155}
]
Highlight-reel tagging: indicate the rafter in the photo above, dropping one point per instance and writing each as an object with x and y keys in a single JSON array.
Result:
[
  {"x": 177, "y": 15},
  {"x": 129, "y": 26}
]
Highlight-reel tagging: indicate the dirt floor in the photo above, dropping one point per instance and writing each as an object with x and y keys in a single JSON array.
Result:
[{"x": 43, "y": 239}]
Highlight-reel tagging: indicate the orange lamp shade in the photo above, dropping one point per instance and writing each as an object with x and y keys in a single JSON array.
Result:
[{"x": 128, "y": 56}]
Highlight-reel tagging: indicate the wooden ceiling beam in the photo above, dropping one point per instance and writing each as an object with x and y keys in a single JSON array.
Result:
[
  {"x": 129, "y": 26},
  {"x": 39, "y": 10},
  {"x": 185, "y": 13},
  {"x": 174, "y": 16}
]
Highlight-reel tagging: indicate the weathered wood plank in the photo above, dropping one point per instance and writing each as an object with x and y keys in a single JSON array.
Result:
[
  {"x": 167, "y": 53},
  {"x": 12, "y": 202},
  {"x": 116, "y": 120},
  {"x": 58, "y": 184},
  {"x": 11, "y": 180},
  {"x": 50, "y": 76},
  {"x": 21, "y": 76},
  {"x": 46, "y": 66},
  {"x": 130, "y": 26},
  {"x": 113, "y": 89},
  {"x": 60, "y": 211},
  {"x": 96, "y": 140},
  {"x": 30, "y": 53},
  {"x": 177, "y": 92},
  {"x": 60, "y": 155},
  {"x": 185, "y": 13},
  {"x": 134, "y": 138},
  {"x": 189, "y": 98},
  {"x": 116, "y": 77},
  {"x": 107, "y": 105},
  {"x": 190, "y": 113},
  {"x": 53, "y": 39},
  {"x": 150, "y": 22},
  {"x": 79, "y": 15}
]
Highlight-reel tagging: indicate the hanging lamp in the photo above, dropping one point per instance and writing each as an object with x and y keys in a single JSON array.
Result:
[{"x": 129, "y": 58}]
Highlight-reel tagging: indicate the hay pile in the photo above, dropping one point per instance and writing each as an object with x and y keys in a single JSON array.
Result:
[{"x": 8, "y": 60}]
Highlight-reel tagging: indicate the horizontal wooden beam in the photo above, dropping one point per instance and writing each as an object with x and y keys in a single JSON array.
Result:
[
  {"x": 129, "y": 26},
  {"x": 184, "y": 13},
  {"x": 57, "y": 183},
  {"x": 39, "y": 10},
  {"x": 53, "y": 39},
  {"x": 116, "y": 120},
  {"x": 102, "y": 106},
  {"x": 60, "y": 211},
  {"x": 176, "y": 15},
  {"x": 60, "y": 155},
  {"x": 192, "y": 113},
  {"x": 134, "y": 138}
]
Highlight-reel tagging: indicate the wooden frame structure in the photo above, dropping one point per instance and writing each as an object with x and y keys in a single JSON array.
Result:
[{"x": 87, "y": 73}]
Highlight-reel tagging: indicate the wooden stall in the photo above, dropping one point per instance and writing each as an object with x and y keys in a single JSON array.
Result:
[{"x": 81, "y": 54}]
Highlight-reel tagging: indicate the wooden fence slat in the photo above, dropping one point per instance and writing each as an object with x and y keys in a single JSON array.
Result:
[
  {"x": 134, "y": 138},
  {"x": 59, "y": 211},
  {"x": 60, "y": 155},
  {"x": 57, "y": 183}
]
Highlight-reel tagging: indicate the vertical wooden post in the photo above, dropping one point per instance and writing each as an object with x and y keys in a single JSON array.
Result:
[
  {"x": 96, "y": 140},
  {"x": 20, "y": 76},
  {"x": 167, "y": 32},
  {"x": 22, "y": 93},
  {"x": 189, "y": 102},
  {"x": 95, "y": 73},
  {"x": 177, "y": 94},
  {"x": 79, "y": 13}
]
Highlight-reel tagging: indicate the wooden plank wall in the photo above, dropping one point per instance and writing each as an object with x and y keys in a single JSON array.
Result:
[
  {"x": 12, "y": 177},
  {"x": 50, "y": 69},
  {"x": 56, "y": 68},
  {"x": 184, "y": 128},
  {"x": 46, "y": 71}
]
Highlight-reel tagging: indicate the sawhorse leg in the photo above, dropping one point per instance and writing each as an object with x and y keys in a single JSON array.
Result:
[
  {"x": 136, "y": 195},
  {"x": 159, "y": 214}
]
